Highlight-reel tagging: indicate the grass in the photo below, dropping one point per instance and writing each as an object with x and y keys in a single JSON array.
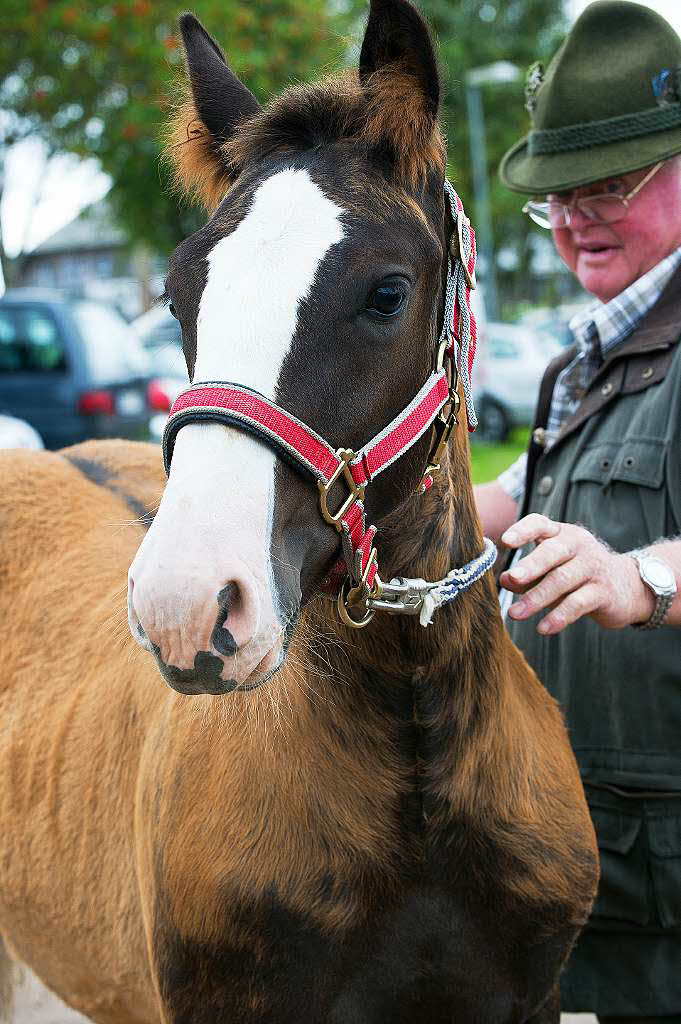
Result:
[{"x": 491, "y": 459}]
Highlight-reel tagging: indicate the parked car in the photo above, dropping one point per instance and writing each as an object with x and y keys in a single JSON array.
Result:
[
  {"x": 160, "y": 334},
  {"x": 16, "y": 433},
  {"x": 74, "y": 369},
  {"x": 554, "y": 321},
  {"x": 510, "y": 364}
]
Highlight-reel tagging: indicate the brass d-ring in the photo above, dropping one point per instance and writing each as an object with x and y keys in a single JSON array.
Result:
[
  {"x": 344, "y": 609},
  {"x": 345, "y": 457}
]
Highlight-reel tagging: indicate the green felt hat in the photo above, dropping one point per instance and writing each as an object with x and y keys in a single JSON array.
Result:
[{"x": 608, "y": 103}]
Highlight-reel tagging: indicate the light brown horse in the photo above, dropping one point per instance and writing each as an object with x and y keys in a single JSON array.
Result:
[{"x": 382, "y": 826}]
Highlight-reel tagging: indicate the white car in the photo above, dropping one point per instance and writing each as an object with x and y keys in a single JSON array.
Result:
[
  {"x": 16, "y": 433},
  {"x": 160, "y": 334},
  {"x": 510, "y": 363}
]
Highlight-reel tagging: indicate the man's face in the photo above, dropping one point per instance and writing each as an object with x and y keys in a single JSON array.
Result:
[{"x": 607, "y": 258}]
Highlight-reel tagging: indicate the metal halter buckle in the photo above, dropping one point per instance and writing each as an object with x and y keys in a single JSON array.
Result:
[
  {"x": 446, "y": 419},
  {"x": 456, "y": 248},
  {"x": 444, "y": 425},
  {"x": 346, "y": 455}
]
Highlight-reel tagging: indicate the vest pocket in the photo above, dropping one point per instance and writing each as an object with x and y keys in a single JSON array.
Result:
[
  {"x": 623, "y": 888},
  {"x": 639, "y": 843},
  {"x": 638, "y": 461},
  {"x": 617, "y": 491},
  {"x": 664, "y": 840}
]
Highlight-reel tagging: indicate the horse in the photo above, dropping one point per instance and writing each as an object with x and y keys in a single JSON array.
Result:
[{"x": 332, "y": 812}]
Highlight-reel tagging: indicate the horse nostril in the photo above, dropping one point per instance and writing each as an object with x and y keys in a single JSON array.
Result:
[{"x": 221, "y": 638}]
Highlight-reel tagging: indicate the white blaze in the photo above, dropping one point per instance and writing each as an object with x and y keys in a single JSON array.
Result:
[
  {"x": 257, "y": 277},
  {"x": 214, "y": 522}
]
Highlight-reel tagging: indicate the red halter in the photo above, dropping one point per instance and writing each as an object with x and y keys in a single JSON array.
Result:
[{"x": 436, "y": 403}]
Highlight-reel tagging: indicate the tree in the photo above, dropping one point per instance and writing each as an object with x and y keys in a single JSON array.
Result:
[
  {"x": 95, "y": 79},
  {"x": 475, "y": 33}
]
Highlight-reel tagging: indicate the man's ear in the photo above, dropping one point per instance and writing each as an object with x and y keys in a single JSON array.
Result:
[{"x": 216, "y": 105}]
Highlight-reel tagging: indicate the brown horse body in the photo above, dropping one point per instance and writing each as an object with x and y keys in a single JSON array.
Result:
[
  {"x": 390, "y": 829},
  {"x": 395, "y": 820}
]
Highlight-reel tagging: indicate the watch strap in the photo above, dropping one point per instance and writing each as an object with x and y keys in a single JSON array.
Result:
[
  {"x": 662, "y": 605},
  {"x": 663, "y": 602}
]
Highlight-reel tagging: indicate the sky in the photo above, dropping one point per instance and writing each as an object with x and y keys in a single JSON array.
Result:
[{"x": 38, "y": 201}]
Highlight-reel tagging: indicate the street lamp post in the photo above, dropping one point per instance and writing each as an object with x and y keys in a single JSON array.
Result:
[{"x": 499, "y": 72}]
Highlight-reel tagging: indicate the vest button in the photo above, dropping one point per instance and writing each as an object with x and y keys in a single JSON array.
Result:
[
  {"x": 539, "y": 437},
  {"x": 607, "y": 388},
  {"x": 545, "y": 485},
  {"x": 647, "y": 373}
]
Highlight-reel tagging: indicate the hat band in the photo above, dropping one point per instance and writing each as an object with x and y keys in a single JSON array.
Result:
[{"x": 611, "y": 129}]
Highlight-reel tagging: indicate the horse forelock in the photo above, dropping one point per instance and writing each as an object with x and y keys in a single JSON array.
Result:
[{"x": 386, "y": 116}]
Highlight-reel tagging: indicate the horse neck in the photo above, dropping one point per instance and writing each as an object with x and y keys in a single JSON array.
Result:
[{"x": 455, "y": 670}]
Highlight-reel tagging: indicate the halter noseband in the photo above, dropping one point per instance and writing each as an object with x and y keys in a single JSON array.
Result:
[{"x": 355, "y": 577}]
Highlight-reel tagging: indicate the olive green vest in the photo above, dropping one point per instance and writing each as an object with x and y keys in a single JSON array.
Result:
[{"x": 616, "y": 469}]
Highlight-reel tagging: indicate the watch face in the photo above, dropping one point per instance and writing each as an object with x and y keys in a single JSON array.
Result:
[{"x": 658, "y": 575}]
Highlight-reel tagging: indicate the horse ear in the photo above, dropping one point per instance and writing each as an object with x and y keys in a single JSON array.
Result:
[
  {"x": 397, "y": 35},
  {"x": 216, "y": 105},
  {"x": 222, "y": 101}
]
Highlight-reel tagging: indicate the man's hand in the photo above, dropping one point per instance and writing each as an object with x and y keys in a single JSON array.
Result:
[{"x": 574, "y": 574}]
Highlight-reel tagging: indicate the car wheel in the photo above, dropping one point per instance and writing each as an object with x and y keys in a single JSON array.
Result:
[{"x": 493, "y": 423}]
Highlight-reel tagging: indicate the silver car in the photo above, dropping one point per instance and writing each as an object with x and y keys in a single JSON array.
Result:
[{"x": 509, "y": 367}]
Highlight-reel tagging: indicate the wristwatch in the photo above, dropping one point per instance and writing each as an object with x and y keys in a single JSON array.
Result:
[{"x": 659, "y": 577}]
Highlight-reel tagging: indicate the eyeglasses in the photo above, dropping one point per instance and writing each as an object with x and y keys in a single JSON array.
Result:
[{"x": 603, "y": 207}]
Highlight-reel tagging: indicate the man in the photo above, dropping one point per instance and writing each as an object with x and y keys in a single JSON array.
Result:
[{"x": 603, "y": 480}]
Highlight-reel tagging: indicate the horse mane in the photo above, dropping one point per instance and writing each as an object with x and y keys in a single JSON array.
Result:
[{"x": 386, "y": 114}]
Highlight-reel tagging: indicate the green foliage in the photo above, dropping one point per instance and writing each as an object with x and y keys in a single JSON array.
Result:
[
  {"x": 95, "y": 79},
  {"x": 489, "y": 460},
  {"x": 476, "y": 33}
]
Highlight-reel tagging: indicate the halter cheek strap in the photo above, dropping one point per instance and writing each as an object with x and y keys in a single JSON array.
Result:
[{"x": 355, "y": 577}]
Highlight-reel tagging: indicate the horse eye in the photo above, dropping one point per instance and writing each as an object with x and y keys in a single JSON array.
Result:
[
  {"x": 387, "y": 299},
  {"x": 172, "y": 310}
]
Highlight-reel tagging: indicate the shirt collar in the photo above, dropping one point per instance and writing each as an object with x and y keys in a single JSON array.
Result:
[{"x": 610, "y": 323}]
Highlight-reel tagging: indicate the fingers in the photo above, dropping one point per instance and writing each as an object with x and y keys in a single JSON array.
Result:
[
  {"x": 556, "y": 584},
  {"x": 584, "y": 601},
  {"x": 530, "y": 528},
  {"x": 549, "y": 554},
  {"x": 570, "y": 573}
]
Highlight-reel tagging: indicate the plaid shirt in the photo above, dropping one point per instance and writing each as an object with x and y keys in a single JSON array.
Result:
[{"x": 597, "y": 331}]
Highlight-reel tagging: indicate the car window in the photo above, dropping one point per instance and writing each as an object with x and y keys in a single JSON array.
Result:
[
  {"x": 113, "y": 350},
  {"x": 10, "y": 350},
  {"x": 503, "y": 348},
  {"x": 30, "y": 341}
]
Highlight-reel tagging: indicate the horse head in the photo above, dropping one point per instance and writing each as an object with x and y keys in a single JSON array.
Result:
[{"x": 317, "y": 283}]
